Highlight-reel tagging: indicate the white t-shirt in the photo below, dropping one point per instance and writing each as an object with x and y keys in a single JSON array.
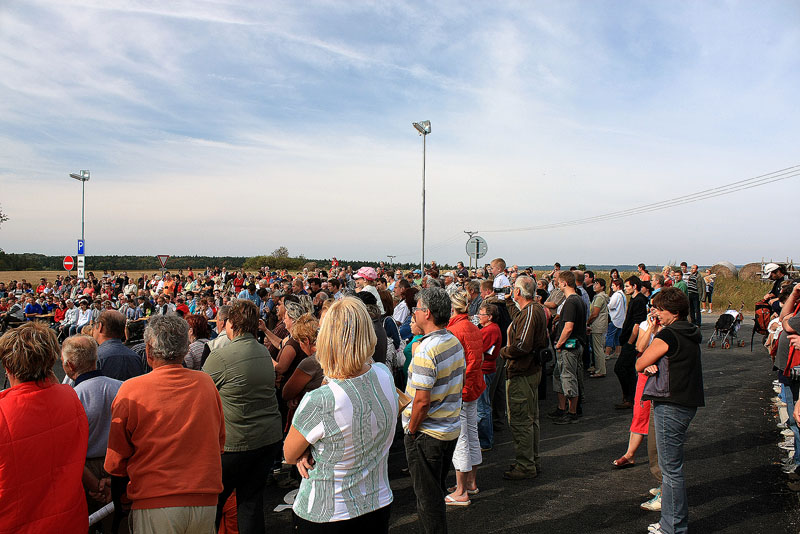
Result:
[
  {"x": 401, "y": 312},
  {"x": 501, "y": 280}
]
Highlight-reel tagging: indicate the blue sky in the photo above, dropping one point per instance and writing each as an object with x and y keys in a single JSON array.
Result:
[{"x": 236, "y": 127}]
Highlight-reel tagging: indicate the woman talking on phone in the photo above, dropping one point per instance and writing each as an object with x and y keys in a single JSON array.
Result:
[{"x": 675, "y": 387}]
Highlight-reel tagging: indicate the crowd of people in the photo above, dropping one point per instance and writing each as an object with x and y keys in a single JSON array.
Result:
[{"x": 324, "y": 370}]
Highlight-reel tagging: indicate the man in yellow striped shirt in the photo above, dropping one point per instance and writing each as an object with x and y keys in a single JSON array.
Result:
[{"x": 432, "y": 421}]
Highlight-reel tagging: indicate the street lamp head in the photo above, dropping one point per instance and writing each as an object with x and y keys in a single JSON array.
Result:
[
  {"x": 83, "y": 176},
  {"x": 423, "y": 127}
]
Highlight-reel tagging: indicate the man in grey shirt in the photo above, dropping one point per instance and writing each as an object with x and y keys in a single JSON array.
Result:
[{"x": 96, "y": 392}]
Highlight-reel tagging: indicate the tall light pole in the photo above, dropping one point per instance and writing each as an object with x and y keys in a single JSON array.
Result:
[
  {"x": 424, "y": 128},
  {"x": 83, "y": 177}
]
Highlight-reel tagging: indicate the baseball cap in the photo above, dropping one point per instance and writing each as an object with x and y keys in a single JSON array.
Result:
[
  {"x": 450, "y": 274},
  {"x": 368, "y": 273},
  {"x": 770, "y": 267}
]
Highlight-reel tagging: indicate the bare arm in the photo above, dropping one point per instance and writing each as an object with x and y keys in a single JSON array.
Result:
[
  {"x": 294, "y": 446},
  {"x": 285, "y": 358},
  {"x": 592, "y": 316},
  {"x": 790, "y": 303},
  {"x": 294, "y": 386},
  {"x": 565, "y": 334},
  {"x": 657, "y": 349}
]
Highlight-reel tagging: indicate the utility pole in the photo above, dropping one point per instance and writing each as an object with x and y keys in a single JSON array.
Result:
[
  {"x": 470, "y": 234},
  {"x": 391, "y": 258}
]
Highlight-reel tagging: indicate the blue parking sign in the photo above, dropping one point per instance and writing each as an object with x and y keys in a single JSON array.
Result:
[{"x": 80, "y": 246}]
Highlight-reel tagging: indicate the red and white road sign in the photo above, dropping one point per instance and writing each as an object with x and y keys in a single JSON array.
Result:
[
  {"x": 163, "y": 259},
  {"x": 68, "y": 263}
]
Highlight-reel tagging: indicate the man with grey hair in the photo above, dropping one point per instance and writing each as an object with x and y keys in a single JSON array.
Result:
[
  {"x": 157, "y": 420},
  {"x": 96, "y": 393},
  {"x": 222, "y": 339},
  {"x": 432, "y": 421},
  {"x": 473, "y": 288},
  {"x": 527, "y": 336}
]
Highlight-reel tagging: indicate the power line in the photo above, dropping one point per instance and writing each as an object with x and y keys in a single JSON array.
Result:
[{"x": 726, "y": 189}]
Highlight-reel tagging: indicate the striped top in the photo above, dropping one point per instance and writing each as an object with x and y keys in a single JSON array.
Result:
[
  {"x": 438, "y": 366},
  {"x": 350, "y": 425}
]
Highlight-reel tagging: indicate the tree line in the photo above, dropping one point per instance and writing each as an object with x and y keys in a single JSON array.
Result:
[{"x": 41, "y": 262}]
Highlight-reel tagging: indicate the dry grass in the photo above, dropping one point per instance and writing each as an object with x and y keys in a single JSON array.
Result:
[{"x": 34, "y": 276}]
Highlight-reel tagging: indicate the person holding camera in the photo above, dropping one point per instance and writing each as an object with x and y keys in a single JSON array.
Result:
[
  {"x": 527, "y": 335},
  {"x": 571, "y": 336}
]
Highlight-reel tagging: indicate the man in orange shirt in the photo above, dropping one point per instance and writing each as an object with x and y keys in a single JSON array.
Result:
[{"x": 167, "y": 434}]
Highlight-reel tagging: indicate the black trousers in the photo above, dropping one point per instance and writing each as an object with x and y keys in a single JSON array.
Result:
[
  {"x": 246, "y": 472},
  {"x": 429, "y": 461},
  {"x": 694, "y": 308},
  {"x": 625, "y": 369},
  {"x": 376, "y": 522}
]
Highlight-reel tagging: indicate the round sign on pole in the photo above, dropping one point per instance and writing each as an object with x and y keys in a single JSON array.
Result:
[
  {"x": 68, "y": 263},
  {"x": 476, "y": 247}
]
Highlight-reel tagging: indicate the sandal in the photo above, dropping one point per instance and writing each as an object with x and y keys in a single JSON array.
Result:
[
  {"x": 469, "y": 491},
  {"x": 622, "y": 462},
  {"x": 449, "y": 501}
]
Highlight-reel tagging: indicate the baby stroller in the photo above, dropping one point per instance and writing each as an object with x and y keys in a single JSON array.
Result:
[{"x": 727, "y": 327}]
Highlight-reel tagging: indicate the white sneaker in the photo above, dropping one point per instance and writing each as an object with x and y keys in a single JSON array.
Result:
[
  {"x": 654, "y": 528},
  {"x": 786, "y": 432},
  {"x": 655, "y": 491},
  {"x": 653, "y": 505},
  {"x": 787, "y": 446}
]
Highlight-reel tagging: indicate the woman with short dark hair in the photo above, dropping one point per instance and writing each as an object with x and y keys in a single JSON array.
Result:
[
  {"x": 45, "y": 435},
  {"x": 675, "y": 388}
]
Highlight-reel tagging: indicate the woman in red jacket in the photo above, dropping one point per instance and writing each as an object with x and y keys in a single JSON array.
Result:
[
  {"x": 468, "y": 448},
  {"x": 43, "y": 438}
]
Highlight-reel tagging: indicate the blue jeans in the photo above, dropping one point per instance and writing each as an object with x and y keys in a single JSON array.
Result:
[
  {"x": 485, "y": 426},
  {"x": 612, "y": 335},
  {"x": 671, "y": 424},
  {"x": 788, "y": 398}
]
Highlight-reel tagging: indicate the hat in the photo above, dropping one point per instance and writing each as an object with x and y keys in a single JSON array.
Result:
[
  {"x": 770, "y": 267},
  {"x": 417, "y": 271},
  {"x": 368, "y": 273},
  {"x": 450, "y": 274}
]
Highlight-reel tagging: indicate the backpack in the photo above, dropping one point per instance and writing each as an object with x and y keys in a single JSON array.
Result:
[{"x": 762, "y": 317}]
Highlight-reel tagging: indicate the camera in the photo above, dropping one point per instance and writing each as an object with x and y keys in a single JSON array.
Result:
[{"x": 503, "y": 290}]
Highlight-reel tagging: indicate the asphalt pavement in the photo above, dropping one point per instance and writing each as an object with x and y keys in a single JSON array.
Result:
[{"x": 734, "y": 483}]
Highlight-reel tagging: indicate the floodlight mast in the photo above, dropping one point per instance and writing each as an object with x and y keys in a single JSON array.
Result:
[
  {"x": 83, "y": 177},
  {"x": 424, "y": 128}
]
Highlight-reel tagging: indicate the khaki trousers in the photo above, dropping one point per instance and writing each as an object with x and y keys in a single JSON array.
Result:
[
  {"x": 522, "y": 397},
  {"x": 174, "y": 520}
]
